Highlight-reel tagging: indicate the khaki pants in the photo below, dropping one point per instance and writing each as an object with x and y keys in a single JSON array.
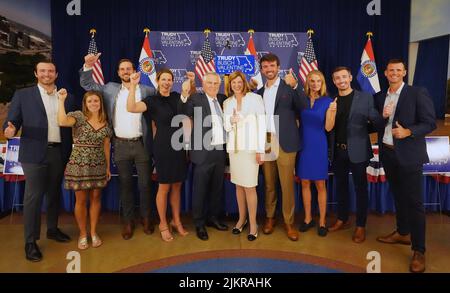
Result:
[{"x": 283, "y": 166}]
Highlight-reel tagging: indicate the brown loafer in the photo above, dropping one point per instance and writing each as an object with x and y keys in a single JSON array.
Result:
[
  {"x": 292, "y": 233},
  {"x": 417, "y": 264},
  {"x": 339, "y": 225},
  {"x": 128, "y": 230},
  {"x": 148, "y": 226},
  {"x": 269, "y": 224},
  {"x": 395, "y": 238},
  {"x": 359, "y": 235}
]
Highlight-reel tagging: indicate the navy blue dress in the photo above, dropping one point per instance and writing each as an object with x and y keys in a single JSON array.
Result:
[{"x": 312, "y": 162}]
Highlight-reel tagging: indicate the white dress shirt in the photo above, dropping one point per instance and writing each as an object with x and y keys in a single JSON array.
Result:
[
  {"x": 270, "y": 95},
  {"x": 51, "y": 109},
  {"x": 391, "y": 98},
  {"x": 249, "y": 134},
  {"x": 126, "y": 124}
]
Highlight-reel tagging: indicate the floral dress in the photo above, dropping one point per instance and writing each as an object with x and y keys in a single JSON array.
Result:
[{"x": 86, "y": 168}]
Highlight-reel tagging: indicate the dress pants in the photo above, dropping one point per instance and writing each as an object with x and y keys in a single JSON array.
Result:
[
  {"x": 207, "y": 197},
  {"x": 342, "y": 166},
  {"x": 406, "y": 183},
  {"x": 45, "y": 178},
  {"x": 283, "y": 169},
  {"x": 127, "y": 154}
]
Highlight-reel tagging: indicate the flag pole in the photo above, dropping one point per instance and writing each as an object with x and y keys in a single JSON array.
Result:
[
  {"x": 310, "y": 32},
  {"x": 146, "y": 31},
  {"x": 369, "y": 35},
  {"x": 92, "y": 31},
  {"x": 207, "y": 32}
]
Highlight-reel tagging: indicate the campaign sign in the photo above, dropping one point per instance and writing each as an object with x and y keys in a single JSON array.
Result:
[
  {"x": 12, "y": 164},
  {"x": 226, "y": 64},
  {"x": 439, "y": 154}
]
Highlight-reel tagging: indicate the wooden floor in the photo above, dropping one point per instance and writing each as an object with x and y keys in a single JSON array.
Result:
[{"x": 120, "y": 255}]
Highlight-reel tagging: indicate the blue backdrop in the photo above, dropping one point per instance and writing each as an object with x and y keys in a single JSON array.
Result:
[
  {"x": 179, "y": 50},
  {"x": 431, "y": 71},
  {"x": 340, "y": 28}
]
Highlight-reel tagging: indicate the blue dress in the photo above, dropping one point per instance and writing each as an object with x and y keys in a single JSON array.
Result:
[{"x": 312, "y": 161}]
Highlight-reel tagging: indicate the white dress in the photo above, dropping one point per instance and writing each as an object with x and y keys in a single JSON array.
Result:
[{"x": 245, "y": 138}]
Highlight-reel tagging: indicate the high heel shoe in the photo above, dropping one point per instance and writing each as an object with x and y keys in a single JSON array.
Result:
[
  {"x": 166, "y": 235},
  {"x": 179, "y": 228},
  {"x": 237, "y": 230},
  {"x": 252, "y": 237}
]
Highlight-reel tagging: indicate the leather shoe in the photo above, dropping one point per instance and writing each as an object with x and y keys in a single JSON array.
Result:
[
  {"x": 237, "y": 230},
  {"x": 339, "y": 225},
  {"x": 149, "y": 228},
  {"x": 417, "y": 264},
  {"x": 359, "y": 235},
  {"x": 292, "y": 233},
  {"x": 128, "y": 230},
  {"x": 57, "y": 235},
  {"x": 269, "y": 224},
  {"x": 32, "y": 252},
  {"x": 201, "y": 232},
  {"x": 395, "y": 238},
  {"x": 305, "y": 227},
  {"x": 216, "y": 224}
]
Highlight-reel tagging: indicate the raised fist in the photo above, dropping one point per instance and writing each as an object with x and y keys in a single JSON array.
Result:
[{"x": 62, "y": 94}]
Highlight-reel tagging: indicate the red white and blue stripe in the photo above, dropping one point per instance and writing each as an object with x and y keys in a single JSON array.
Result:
[{"x": 367, "y": 74}]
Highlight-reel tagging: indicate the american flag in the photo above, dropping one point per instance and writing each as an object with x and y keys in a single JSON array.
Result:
[
  {"x": 205, "y": 62},
  {"x": 309, "y": 61},
  {"x": 97, "y": 70}
]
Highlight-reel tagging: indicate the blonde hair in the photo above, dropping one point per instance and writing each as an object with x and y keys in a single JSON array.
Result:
[
  {"x": 323, "y": 87},
  {"x": 101, "y": 112},
  {"x": 232, "y": 77}
]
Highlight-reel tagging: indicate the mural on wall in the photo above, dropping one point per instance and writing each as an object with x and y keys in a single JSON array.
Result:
[{"x": 25, "y": 37}]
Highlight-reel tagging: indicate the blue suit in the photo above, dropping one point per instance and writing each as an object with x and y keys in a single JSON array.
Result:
[
  {"x": 414, "y": 111},
  {"x": 42, "y": 163},
  {"x": 403, "y": 162},
  {"x": 27, "y": 111}
]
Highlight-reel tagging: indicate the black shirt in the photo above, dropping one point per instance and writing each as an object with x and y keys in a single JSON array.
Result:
[{"x": 344, "y": 105}]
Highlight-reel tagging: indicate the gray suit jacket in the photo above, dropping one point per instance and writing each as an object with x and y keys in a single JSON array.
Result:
[
  {"x": 362, "y": 113},
  {"x": 110, "y": 92}
]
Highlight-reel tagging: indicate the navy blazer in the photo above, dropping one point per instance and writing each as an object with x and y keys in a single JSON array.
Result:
[
  {"x": 415, "y": 111},
  {"x": 362, "y": 114},
  {"x": 288, "y": 104},
  {"x": 201, "y": 149},
  {"x": 27, "y": 111}
]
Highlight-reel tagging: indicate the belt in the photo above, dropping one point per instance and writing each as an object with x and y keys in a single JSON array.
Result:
[
  {"x": 53, "y": 144},
  {"x": 129, "y": 139},
  {"x": 388, "y": 146},
  {"x": 341, "y": 146}
]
